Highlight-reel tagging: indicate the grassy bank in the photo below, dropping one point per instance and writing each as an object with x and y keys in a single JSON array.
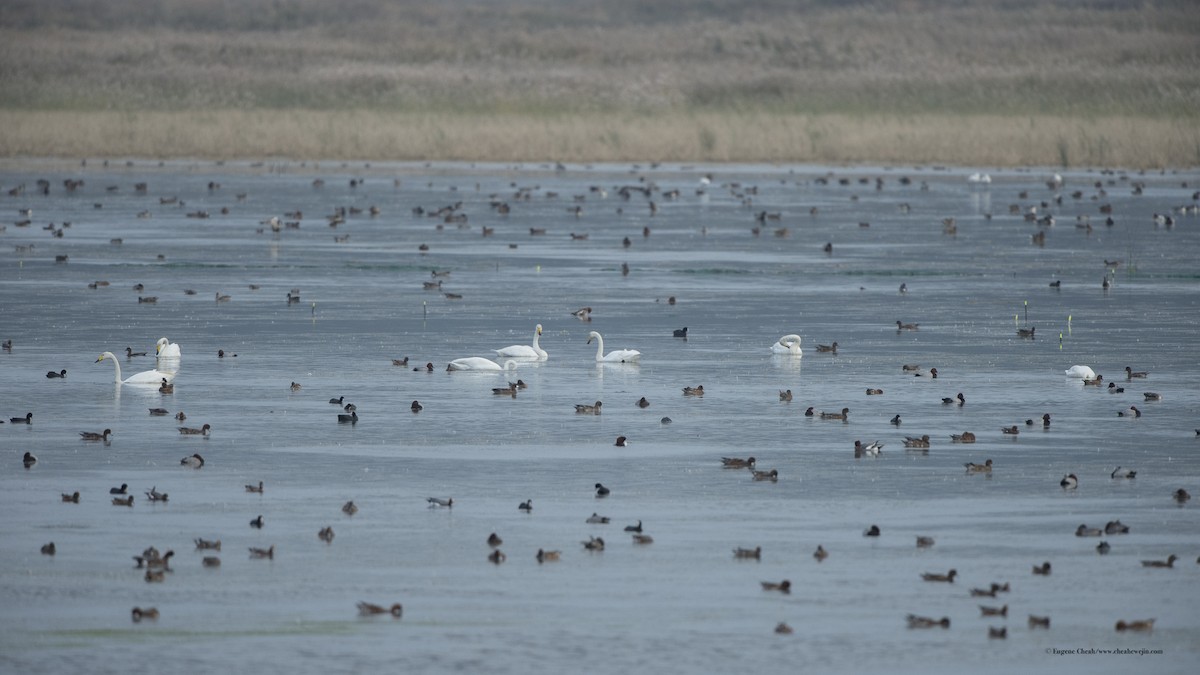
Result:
[
  {"x": 951, "y": 81},
  {"x": 579, "y": 137}
]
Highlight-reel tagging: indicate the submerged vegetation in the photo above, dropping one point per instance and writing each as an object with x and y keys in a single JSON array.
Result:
[{"x": 965, "y": 81}]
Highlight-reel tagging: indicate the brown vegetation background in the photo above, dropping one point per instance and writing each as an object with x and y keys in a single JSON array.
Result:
[{"x": 1067, "y": 82}]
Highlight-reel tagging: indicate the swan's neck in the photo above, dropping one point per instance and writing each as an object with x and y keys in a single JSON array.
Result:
[
  {"x": 536, "y": 346},
  {"x": 599, "y": 347},
  {"x": 116, "y": 370}
]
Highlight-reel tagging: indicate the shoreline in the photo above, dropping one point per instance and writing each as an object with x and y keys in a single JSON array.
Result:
[{"x": 720, "y": 137}]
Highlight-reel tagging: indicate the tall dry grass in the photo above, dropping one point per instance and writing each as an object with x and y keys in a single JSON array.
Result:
[
  {"x": 965, "y": 81},
  {"x": 618, "y": 137}
]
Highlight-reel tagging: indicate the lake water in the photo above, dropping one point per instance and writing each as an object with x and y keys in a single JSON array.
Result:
[{"x": 682, "y": 603}]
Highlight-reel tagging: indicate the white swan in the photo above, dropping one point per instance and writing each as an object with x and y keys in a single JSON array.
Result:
[
  {"x": 165, "y": 349},
  {"x": 480, "y": 364},
  {"x": 148, "y": 377},
  {"x": 526, "y": 351},
  {"x": 788, "y": 345},
  {"x": 616, "y": 355},
  {"x": 1081, "y": 372}
]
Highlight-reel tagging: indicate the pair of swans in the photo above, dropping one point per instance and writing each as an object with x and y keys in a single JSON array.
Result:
[
  {"x": 788, "y": 345},
  {"x": 526, "y": 351}
]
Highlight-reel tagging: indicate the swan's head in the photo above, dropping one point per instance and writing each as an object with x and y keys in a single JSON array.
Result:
[
  {"x": 162, "y": 342},
  {"x": 105, "y": 355},
  {"x": 593, "y": 336},
  {"x": 539, "y": 332}
]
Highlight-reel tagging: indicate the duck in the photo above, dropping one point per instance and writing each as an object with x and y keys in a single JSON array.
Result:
[
  {"x": 1123, "y": 473},
  {"x": 616, "y": 355},
  {"x": 1131, "y": 412},
  {"x": 788, "y": 345},
  {"x": 1045, "y": 421},
  {"x": 72, "y": 498},
  {"x": 748, "y": 553},
  {"x": 210, "y": 561},
  {"x": 915, "y": 621},
  {"x": 59, "y": 375},
  {"x": 1116, "y": 527},
  {"x": 166, "y": 387},
  {"x": 832, "y": 349},
  {"x": 583, "y": 314},
  {"x": 972, "y": 467},
  {"x": 49, "y": 549},
  {"x": 588, "y": 409},
  {"x": 1094, "y": 382},
  {"x": 784, "y": 586},
  {"x": 1026, "y": 332},
  {"x": 895, "y": 421},
  {"x": 127, "y": 501},
  {"x": 772, "y": 475},
  {"x": 148, "y": 613},
  {"x": 416, "y": 407},
  {"x": 1069, "y": 482},
  {"x": 1114, "y": 389},
  {"x": 192, "y": 431},
  {"x": 597, "y": 519},
  {"x": 785, "y": 396},
  {"x": 820, "y": 554},
  {"x": 643, "y": 403},
  {"x": 874, "y": 392},
  {"x": 914, "y": 442},
  {"x": 594, "y": 544},
  {"x": 948, "y": 577},
  {"x": 1085, "y": 531},
  {"x": 494, "y": 540},
  {"x": 1011, "y": 431},
  {"x": 129, "y": 353},
  {"x": 680, "y": 333},
  {"x": 964, "y": 437},
  {"x": 337, "y": 401},
  {"x": 1000, "y": 633},
  {"x": 871, "y": 450},
  {"x": 255, "y": 488},
  {"x": 123, "y": 490},
  {"x": 621, "y": 442},
  {"x": 924, "y": 541},
  {"x": 1136, "y": 626},
  {"x": 350, "y": 508},
  {"x": 268, "y": 553},
  {"x": 257, "y": 523},
  {"x": 782, "y": 628},
  {"x": 526, "y": 506},
  {"x": 697, "y": 390},
  {"x": 159, "y": 412},
  {"x": 602, "y": 491},
  {"x": 984, "y": 610},
  {"x": 808, "y": 412},
  {"x": 29, "y": 460},
  {"x": 634, "y": 528},
  {"x": 933, "y": 374},
  {"x": 194, "y": 460},
  {"x": 446, "y": 502},
  {"x": 836, "y": 416},
  {"x": 27, "y": 419},
  {"x": 1152, "y": 396},
  {"x": 526, "y": 351},
  {"x": 1042, "y": 570},
  {"x": 737, "y": 462},
  {"x": 1081, "y": 372},
  {"x": 206, "y": 544},
  {"x": 960, "y": 400},
  {"x": 352, "y": 418},
  {"x": 872, "y": 531},
  {"x": 906, "y": 326},
  {"x": 510, "y": 390},
  {"x": 325, "y": 534},
  {"x": 1181, "y": 495},
  {"x": 296, "y": 386},
  {"x": 1130, "y": 373},
  {"x": 180, "y": 416},
  {"x": 1039, "y": 621},
  {"x": 544, "y": 556},
  {"x": 1168, "y": 563},
  {"x": 155, "y": 496}
]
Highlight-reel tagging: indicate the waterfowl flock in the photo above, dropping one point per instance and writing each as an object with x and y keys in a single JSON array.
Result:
[{"x": 735, "y": 415}]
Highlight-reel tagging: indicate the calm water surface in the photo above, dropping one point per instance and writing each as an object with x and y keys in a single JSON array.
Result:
[{"x": 683, "y": 603}]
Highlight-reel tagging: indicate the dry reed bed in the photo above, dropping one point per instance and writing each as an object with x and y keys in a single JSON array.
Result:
[
  {"x": 1045, "y": 82},
  {"x": 713, "y": 136}
]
